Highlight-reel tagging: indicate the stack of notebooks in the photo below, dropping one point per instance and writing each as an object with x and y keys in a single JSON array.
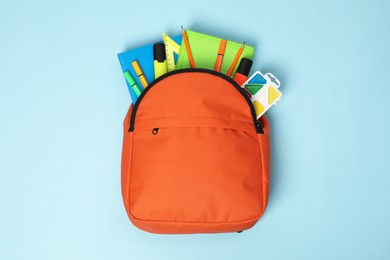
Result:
[{"x": 143, "y": 65}]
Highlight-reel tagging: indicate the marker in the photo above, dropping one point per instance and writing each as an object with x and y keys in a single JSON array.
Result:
[
  {"x": 140, "y": 73},
  {"x": 160, "y": 62},
  {"x": 235, "y": 60},
  {"x": 221, "y": 51},
  {"x": 187, "y": 44},
  {"x": 243, "y": 71},
  {"x": 132, "y": 83}
]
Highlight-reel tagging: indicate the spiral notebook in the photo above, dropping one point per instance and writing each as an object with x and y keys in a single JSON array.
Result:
[{"x": 204, "y": 49}]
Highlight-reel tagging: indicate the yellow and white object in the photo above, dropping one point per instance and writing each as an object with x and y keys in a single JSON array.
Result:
[{"x": 264, "y": 90}]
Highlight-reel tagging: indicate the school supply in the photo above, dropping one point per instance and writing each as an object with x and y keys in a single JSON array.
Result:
[
  {"x": 221, "y": 51},
  {"x": 144, "y": 56},
  {"x": 202, "y": 168},
  {"x": 188, "y": 49},
  {"x": 132, "y": 83},
  {"x": 172, "y": 48},
  {"x": 160, "y": 63},
  {"x": 243, "y": 71},
  {"x": 140, "y": 73},
  {"x": 204, "y": 50},
  {"x": 234, "y": 63},
  {"x": 264, "y": 91}
]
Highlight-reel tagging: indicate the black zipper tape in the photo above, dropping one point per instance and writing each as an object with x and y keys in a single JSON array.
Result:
[{"x": 258, "y": 125}]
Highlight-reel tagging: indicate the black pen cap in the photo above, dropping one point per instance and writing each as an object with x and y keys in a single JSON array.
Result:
[
  {"x": 245, "y": 66},
  {"x": 159, "y": 52}
]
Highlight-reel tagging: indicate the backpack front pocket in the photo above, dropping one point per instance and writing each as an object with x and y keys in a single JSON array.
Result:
[{"x": 195, "y": 174}]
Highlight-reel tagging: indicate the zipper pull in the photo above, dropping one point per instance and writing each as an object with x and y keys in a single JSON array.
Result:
[
  {"x": 155, "y": 131},
  {"x": 260, "y": 126}
]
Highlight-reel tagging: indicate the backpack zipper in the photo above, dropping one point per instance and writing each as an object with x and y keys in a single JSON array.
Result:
[{"x": 258, "y": 125}]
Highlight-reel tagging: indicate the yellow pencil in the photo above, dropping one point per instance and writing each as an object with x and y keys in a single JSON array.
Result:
[{"x": 140, "y": 73}]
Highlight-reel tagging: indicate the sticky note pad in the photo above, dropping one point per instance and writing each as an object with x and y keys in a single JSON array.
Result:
[
  {"x": 204, "y": 49},
  {"x": 253, "y": 88},
  {"x": 273, "y": 94},
  {"x": 258, "y": 107},
  {"x": 258, "y": 79},
  {"x": 264, "y": 90}
]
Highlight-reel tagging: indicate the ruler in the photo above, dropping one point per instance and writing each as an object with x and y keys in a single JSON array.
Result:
[{"x": 171, "y": 47}]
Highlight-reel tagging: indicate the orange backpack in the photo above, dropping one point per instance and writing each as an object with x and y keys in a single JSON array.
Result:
[{"x": 194, "y": 159}]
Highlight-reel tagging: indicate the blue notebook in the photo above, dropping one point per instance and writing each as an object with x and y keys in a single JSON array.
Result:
[{"x": 144, "y": 55}]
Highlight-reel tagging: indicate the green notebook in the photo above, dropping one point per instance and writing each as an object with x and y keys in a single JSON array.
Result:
[{"x": 204, "y": 49}]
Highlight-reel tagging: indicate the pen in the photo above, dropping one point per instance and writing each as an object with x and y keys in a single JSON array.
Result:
[{"x": 221, "y": 51}]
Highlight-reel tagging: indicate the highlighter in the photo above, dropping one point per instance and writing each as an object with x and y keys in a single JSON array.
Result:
[
  {"x": 130, "y": 80},
  {"x": 160, "y": 60},
  {"x": 243, "y": 71},
  {"x": 140, "y": 73}
]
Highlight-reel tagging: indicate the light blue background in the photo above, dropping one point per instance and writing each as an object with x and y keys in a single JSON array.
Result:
[{"x": 63, "y": 99}]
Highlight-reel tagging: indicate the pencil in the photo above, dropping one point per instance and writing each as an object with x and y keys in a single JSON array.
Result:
[
  {"x": 221, "y": 51},
  {"x": 187, "y": 44},
  {"x": 235, "y": 60}
]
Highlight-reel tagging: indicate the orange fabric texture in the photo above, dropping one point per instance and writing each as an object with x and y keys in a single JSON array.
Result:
[{"x": 192, "y": 160}]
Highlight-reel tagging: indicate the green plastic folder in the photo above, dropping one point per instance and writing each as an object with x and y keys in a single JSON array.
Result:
[{"x": 204, "y": 49}]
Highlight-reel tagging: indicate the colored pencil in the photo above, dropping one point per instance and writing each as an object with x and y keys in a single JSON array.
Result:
[
  {"x": 236, "y": 60},
  {"x": 187, "y": 44}
]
